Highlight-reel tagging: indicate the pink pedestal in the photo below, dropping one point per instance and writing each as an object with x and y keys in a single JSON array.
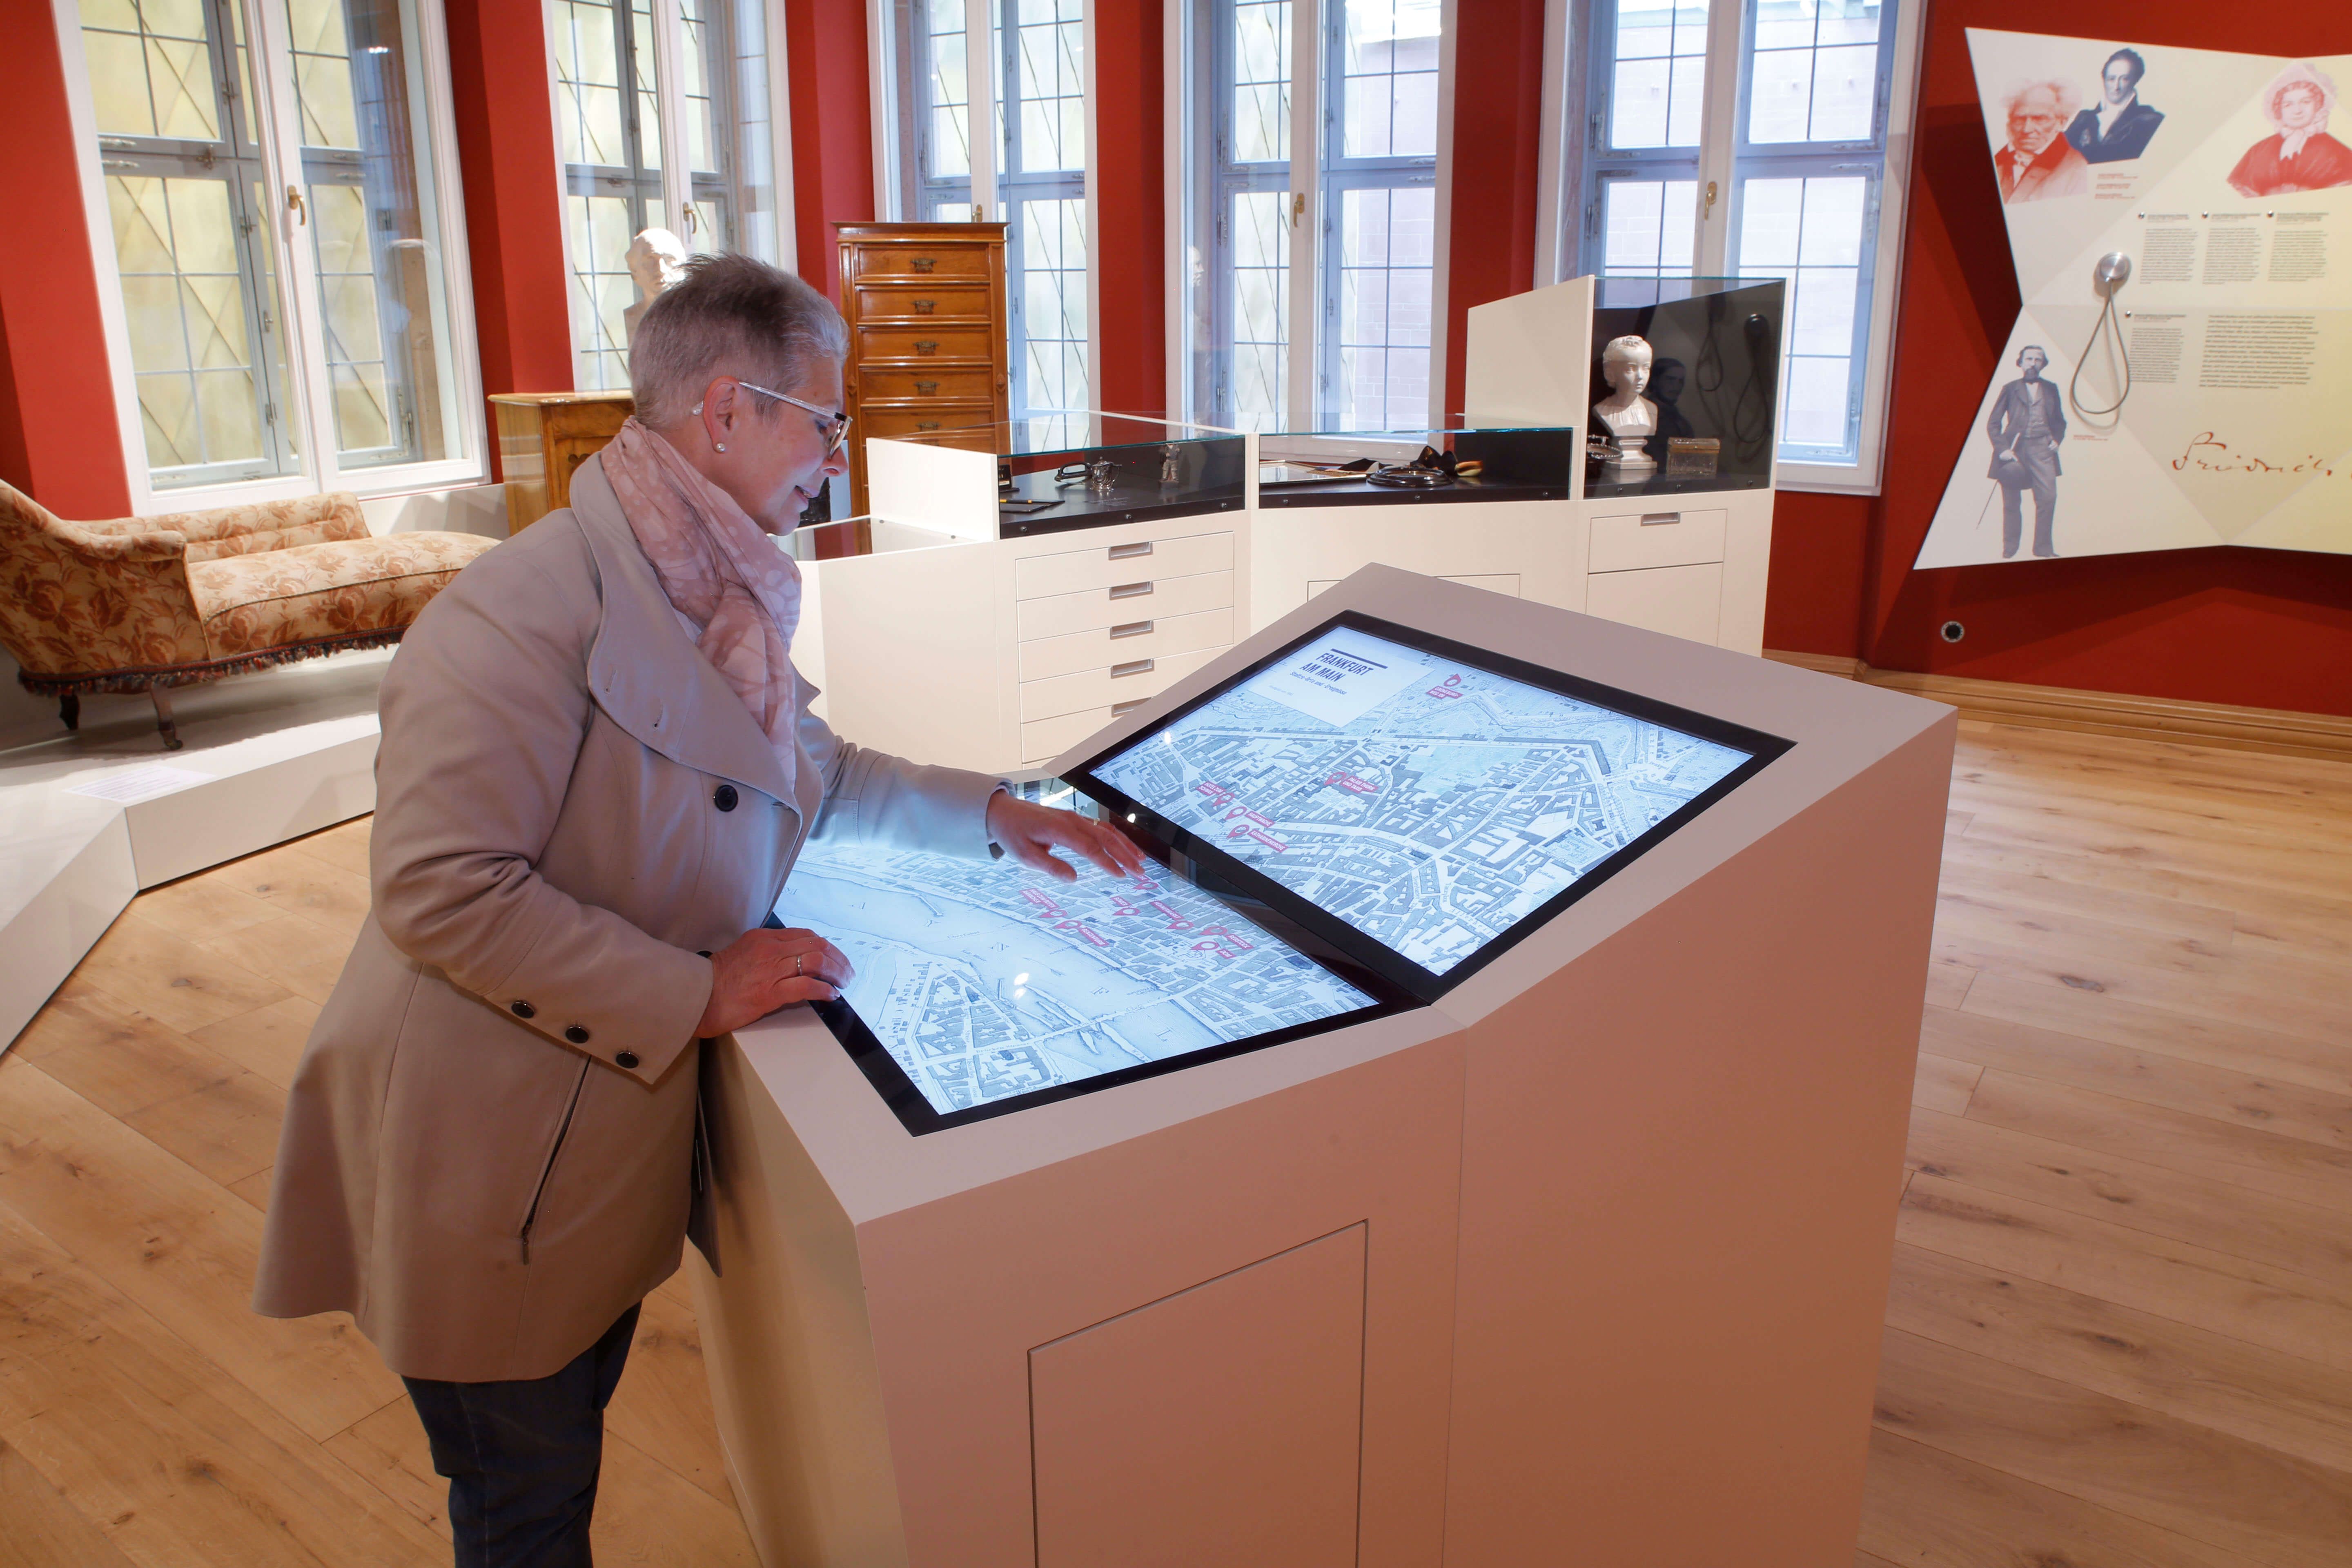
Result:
[{"x": 1585, "y": 1263}]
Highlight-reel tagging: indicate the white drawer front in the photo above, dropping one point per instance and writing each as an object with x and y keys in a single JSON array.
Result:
[
  {"x": 1106, "y": 567},
  {"x": 1667, "y": 538},
  {"x": 1680, "y": 600},
  {"x": 1042, "y": 740},
  {"x": 1122, "y": 682},
  {"x": 1125, "y": 642},
  {"x": 1150, "y": 599}
]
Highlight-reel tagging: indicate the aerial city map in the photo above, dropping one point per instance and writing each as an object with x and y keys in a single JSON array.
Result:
[
  {"x": 985, "y": 981},
  {"x": 1429, "y": 804}
]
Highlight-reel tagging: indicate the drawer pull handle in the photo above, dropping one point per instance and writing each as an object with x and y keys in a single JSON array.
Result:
[
  {"x": 926, "y": 346},
  {"x": 1121, "y": 710},
  {"x": 1130, "y": 551},
  {"x": 925, "y": 263},
  {"x": 1130, "y": 590},
  {"x": 1134, "y": 666},
  {"x": 927, "y": 424},
  {"x": 1650, "y": 519},
  {"x": 925, "y": 307},
  {"x": 1132, "y": 629},
  {"x": 926, "y": 388}
]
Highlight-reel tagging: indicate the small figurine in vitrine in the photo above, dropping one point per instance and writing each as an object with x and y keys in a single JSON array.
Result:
[
  {"x": 1630, "y": 418},
  {"x": 1102, "y": 475},
  {"x": 1167, "y": 463}
]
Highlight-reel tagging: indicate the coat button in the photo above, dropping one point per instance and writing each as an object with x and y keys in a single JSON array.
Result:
[
  {"x": 725, "y": 797},
  {"x": 575, "y": 1033},
  {"x": 625, "y": 1060},
  {"x": 522, "y": 1010}
]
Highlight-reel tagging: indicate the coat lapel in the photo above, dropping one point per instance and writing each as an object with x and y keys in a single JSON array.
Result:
[{"x": 645, "y": 672}]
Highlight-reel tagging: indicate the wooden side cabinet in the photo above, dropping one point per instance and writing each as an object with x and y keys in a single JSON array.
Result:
[
  {"x": 927, "y": 337},
  {"x": 542, "y": 438}
]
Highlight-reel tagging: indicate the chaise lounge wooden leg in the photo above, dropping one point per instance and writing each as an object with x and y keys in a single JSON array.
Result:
[
  {"x": 69, "y": 710},
  {"x": 172, "y": 742}
]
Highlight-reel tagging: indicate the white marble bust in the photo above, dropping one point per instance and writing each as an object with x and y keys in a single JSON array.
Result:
[
  {"x": 656, "y": 260},
  {"x": 1630, "y": 418}
]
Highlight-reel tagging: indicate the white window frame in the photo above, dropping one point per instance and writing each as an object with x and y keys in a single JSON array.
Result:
[
  {"x": 298, "y": 291},
  {"x": 887, "y": 81},
  {"x": 677, "y": 179},
  {"x": 1310, "y": 74},
  {"x": 1567, "y": 53}
]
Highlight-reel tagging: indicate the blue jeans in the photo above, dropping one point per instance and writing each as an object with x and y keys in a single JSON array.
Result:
[{"x": 522, "y": 1457}]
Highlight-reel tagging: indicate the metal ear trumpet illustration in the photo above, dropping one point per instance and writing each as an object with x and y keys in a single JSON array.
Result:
[{"x": 2109, "y": 274}]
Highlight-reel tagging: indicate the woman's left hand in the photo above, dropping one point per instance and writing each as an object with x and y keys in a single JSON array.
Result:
[{"x": 1030, "y": 832}]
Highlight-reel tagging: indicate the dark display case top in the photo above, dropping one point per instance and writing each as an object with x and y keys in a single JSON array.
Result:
[
  {"x": 1711, "y": 388},
  {"x": 1333, "y": 467},
  {"x": 1057, "y": 470}
]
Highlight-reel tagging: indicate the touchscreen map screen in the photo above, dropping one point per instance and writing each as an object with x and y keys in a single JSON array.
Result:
[
  {"x": 987, "y": 982},
  {"x": 1427, "y": 802}
]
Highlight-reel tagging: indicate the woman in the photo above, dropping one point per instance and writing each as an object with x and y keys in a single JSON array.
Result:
[
  {"x": 2301, "y": 156},
  {"x": 597, "y": 766}
]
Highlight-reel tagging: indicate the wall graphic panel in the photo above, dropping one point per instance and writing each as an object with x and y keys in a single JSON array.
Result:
[{"x": 2206, "y": 398}]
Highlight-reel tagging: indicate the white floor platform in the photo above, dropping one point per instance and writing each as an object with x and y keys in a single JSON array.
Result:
[{"x": 268, "y": 757}]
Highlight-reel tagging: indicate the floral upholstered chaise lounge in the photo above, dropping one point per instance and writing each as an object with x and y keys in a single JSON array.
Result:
[{"x": 145, "y": 604}]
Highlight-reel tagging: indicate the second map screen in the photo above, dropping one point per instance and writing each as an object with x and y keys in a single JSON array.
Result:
[{"x": 1428, "y": 803}]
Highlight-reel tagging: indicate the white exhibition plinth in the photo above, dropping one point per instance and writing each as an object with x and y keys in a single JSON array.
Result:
[{"x": 1585, "y": 1263}]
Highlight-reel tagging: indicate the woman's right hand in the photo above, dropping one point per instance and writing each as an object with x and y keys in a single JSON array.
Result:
[{"x": 761, "y": 971}]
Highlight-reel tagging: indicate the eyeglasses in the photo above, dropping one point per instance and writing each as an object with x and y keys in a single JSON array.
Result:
[{"x": 836, "y": 424}]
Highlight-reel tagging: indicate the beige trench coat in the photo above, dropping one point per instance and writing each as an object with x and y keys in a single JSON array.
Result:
[{"x": 484, "y": 1158}]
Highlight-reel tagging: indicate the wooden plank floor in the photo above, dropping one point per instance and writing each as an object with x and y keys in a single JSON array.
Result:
[{"x": 2119, "y": 1336}]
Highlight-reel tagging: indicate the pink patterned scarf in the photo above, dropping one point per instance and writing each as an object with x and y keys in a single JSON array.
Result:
[{"x": 719, "y": 570}]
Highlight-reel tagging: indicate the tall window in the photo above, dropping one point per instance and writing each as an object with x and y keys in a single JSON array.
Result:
[
  {"x": 1788, "y": 179},
  {"x": 1032, "y": 77},
  {"x": 610, "y": 70},
  {"x": 242, "y": 358},
  {"x": 1335, "y": 167}
]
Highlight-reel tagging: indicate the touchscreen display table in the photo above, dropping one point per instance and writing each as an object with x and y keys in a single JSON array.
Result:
[
  {"x": 1430, "y": 796},
  {"x": 981, "y": 983}
]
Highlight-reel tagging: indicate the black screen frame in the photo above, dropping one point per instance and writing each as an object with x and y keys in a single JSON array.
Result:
[{"x": 1147, "y": 825}]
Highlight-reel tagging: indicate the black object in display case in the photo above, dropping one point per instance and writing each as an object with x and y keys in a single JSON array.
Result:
[
  {"x": 1715, "y": 376},
  {"x": 1389, "y": 467}
]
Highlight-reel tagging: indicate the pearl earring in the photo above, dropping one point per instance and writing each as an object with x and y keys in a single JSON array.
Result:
[{"x": 720, "y": 445}]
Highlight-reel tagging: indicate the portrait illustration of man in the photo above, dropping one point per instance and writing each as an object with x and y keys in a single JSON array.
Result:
[
  {"x": 2117, "y": 127},
  {"x": 2302, "y": 155},
  {"x": 2026, "y": 427},
  {"x": 2038, "y": 161}
]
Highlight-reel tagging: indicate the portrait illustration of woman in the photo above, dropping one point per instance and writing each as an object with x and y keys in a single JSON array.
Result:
[{"x": 2302, "y": 155}]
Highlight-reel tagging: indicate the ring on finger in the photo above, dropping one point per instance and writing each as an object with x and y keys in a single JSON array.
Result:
[{"x": 800, "y": 960}]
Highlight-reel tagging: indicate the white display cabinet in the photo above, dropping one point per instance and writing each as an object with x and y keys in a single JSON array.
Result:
[
  {"x": 1019, "y": 586},
  {"x": 1684, "y": 548},
  {"x": 1489, "y": 509}
]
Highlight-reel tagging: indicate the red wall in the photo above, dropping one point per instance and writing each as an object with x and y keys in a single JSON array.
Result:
[
  {"x": 1132, "y": 157},
  {"x": 2267, "y": 629},
  {"x": 1497, "y": 113},
  {"x": 833, "y": 130},
  {"x": 59, "y": 441},
  {"x": 514, "y": 218}
]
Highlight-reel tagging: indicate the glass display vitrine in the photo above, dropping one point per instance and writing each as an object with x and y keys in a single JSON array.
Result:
[
  {"x": 1713, "y": 371},
  {"x": 1339, "y": 467},
  {"x": 1349, "y": 826},
  {"x": 1057, "y": 471}
]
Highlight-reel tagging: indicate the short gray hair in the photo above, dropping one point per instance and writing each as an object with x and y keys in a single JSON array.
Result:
[{"x": 729, "y": 314}]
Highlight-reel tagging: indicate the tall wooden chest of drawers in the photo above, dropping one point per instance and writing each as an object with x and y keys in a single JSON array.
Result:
[{"x": 927, "y": 337}]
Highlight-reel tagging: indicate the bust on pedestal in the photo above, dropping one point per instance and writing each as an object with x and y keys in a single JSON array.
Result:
[{"x": 1629, "y": 418}]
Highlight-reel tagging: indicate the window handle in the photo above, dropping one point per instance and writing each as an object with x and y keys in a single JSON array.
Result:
[
  {"x": 1297, "y": 207},
  {"x": 294, "y": 205},
  {"x": 1710, "y": 200}
]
